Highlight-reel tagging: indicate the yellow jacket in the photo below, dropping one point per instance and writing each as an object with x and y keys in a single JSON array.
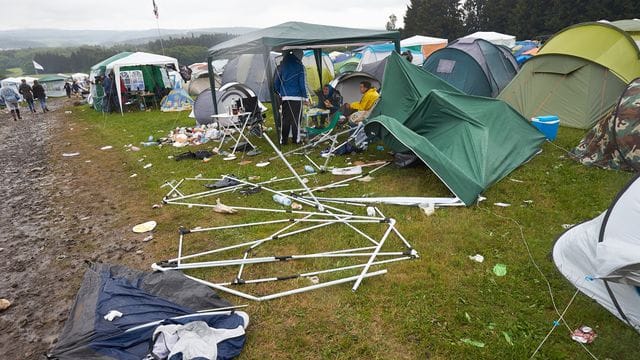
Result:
[{"x": 366, "y": 102}]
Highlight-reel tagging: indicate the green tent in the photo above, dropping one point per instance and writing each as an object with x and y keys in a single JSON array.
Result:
[
  {"x": 348, "y": 65},
  {"x": 475, "y": 66},
  {"x": 577, "y": 75},
  {"x": 295, "y": 35},
  {"x": 469, "y": 142},
  {"x": 99, "y": 70}
]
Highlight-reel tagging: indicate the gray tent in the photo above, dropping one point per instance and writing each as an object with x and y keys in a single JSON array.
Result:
[
  {"x": 348, "y": 85},
  {"x": 375, "y": 69},
  {"x": 475, "y": 66},
  {"x": 601, "y": 257},
  {"x": 228, "y": 94},
  {"x": 249, "y": 69}
]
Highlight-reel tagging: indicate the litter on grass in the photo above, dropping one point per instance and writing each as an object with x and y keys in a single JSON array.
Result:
[
  {"x": 477, "y": 258},
  {"x": 70, "y": 154},
  {"x": 108, "y": 147},
  {"x": 501, "y": 204},
  {"x": 144, "y": 227},
  {"x": 472, "y": 342},
  {"x": 500, "y": 269},
  {"x": 584, "y": 335}
]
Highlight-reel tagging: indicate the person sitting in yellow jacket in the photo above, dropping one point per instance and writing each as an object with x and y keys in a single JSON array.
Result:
[{"x": 359, "y": 110}]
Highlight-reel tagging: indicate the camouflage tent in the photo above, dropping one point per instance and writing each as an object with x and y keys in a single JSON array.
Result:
[{"x": 614, "y": 142}]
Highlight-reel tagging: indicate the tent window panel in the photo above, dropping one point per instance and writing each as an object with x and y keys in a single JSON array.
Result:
[
  {"x": 133, "y": 80},
  {"x": 445, "y": 66}
]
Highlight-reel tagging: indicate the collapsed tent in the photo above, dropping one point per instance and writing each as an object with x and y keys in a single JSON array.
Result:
[
  {"x": 53, "y": 85},
  {"x": 475, "y": 66},
  {"x": 424, "y": 45},
  {"x": 348, "y": 85},
  {"x": 494, "y": 38},
  {"x": 614, "y": 142},
  {"x": 601, "y": 257},
  {"x": 137, "y": 304},
  {"x": 468, "y": 142},
  {"x": 576, "y": 82}
]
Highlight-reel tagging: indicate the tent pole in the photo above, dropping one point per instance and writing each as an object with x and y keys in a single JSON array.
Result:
[
  {"x": 272, "y": 91},
  {"x": 317, "y": 53},
  {"x": 212, "y": 83}
]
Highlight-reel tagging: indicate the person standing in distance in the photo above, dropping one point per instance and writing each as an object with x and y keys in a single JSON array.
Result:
[
  {"x": 291, "y": 85},
  {"x": 27, "y": 94}
]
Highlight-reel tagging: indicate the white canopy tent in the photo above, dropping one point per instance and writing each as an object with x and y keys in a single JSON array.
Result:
[
  {"x": 417, "y": 40},
  {"x": 601, "y": 257},
  {"x": 495, "y": 38},
  {"x": 138, "y": 59}
]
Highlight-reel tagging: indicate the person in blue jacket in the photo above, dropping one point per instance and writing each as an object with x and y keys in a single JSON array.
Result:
[{"x": 290, "y": 84}]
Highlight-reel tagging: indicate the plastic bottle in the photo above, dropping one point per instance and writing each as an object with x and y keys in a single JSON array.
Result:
[
  {"x": 282, "y": 200},
  {"x": 309, "y": 169}
]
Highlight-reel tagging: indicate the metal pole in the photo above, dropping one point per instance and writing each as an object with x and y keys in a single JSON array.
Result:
[
  {"x": 376, "y": 252},
  {"x": 212, "y": 84}
]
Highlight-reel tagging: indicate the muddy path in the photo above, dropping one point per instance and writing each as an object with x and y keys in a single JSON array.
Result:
[{"x": 56, "y": 213}]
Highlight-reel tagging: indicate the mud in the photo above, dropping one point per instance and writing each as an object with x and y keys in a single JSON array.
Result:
[{"x": 56, "y": 213}]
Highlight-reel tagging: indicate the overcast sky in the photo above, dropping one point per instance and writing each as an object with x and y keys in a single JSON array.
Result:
[{"x": 191, "y": 14}]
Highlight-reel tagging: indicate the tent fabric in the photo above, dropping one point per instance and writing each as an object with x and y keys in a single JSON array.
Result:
[
  {"x": 601, "y": 257},
  {"x": 249, "y": 69},
  {"x": 576, "y": 90},
  {"x": 348, "y": 85},
  {"x": 426, "y": 45},
  {"x": 608, "y": 46},
  {"x": 298, "y": 34},
  {"x": 143, "y": 299},
  {"x": 468, "y": 142},
  {"x": 494, "y": 38},
  {"x": 376, "y": 69},
  {"x": 375, "y": 53},
  {"x": 53, "y": 85},
  {"x": 345, "y": 66},
  {"x": 311, "y": 71},
  {"x": 176, "y": 100},
  {"x": 614, "y": 142},
  {"x": 475, "y": 66}
]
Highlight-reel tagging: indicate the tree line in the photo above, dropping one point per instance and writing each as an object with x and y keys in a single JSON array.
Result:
[
  {"x": 526, "y": 19},
  {"x": 187, "y": 50}
]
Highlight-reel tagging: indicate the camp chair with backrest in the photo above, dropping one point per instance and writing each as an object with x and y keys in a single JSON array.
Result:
[{"x": 312, "y": 132}]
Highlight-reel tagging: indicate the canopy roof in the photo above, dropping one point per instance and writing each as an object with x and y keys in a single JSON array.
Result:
[
  {"x": 298, "y": 35},
  {"x": 48, "y": 78},
  {"x": 494, "y": 37},
  {"x": 469, "y": 142},
  {"x": 102, "y": 65},
  {"x": 141, "y": 58},
  {"x": 417, "y": 40},
  {"x": 601, "y": 43}
]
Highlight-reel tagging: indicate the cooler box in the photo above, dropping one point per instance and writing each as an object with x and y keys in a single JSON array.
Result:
[{"x": 548, "y": 125}]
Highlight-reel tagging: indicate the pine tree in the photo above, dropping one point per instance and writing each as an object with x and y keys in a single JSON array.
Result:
[
  {"x": 474, "y": 16},
  {"x": 441, "y": 18}
]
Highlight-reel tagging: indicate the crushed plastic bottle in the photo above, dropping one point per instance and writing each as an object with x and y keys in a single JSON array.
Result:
[
  {"x": 309, "y": 169},
  {"x": 282, "y": 200}
]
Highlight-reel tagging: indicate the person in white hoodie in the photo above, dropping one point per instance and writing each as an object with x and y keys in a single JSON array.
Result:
[{"x": 11, "y": 98}]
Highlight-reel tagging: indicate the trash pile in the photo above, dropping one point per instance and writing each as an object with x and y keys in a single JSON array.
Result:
[{"x": 197, "y": 135}]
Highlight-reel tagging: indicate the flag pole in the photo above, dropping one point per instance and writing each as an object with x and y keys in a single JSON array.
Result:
[{"x": 155, "y": 12}]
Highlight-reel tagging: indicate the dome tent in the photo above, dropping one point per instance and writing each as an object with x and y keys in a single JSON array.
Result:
[
  {"x": 577, "y": 75},
  {"x": 614, "y": 142},
  {"x": 601, "y": 257},
  {"x": 475, "y": 66}
]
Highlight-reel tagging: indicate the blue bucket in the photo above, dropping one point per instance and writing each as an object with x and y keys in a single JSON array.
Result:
[{"x": 548, "y": 125}]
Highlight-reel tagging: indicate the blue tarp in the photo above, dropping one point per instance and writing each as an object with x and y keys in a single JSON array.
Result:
[{"x": 146, "y": 301}]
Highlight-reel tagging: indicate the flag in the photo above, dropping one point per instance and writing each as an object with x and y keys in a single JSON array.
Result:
[
  {"x": 155, "y": 9},
  {"x": 37, "y": 66}
]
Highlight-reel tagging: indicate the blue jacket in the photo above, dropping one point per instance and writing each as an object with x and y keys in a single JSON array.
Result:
[{"x": 290, "y": 79}]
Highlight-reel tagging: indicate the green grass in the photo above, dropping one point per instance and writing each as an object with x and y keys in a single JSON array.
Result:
[
  {"x": 13, "y": 72},
  {"x": 421, "y": 308}
]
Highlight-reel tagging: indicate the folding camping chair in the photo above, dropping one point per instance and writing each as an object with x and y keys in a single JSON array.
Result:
[{"x": 251, "y": 119}]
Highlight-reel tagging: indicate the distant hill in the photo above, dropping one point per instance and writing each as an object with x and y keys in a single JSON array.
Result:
[{"x": 32, "y": 38}]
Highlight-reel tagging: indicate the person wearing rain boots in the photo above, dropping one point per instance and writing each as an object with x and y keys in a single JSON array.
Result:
[{"x": 11, "y": 98}]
